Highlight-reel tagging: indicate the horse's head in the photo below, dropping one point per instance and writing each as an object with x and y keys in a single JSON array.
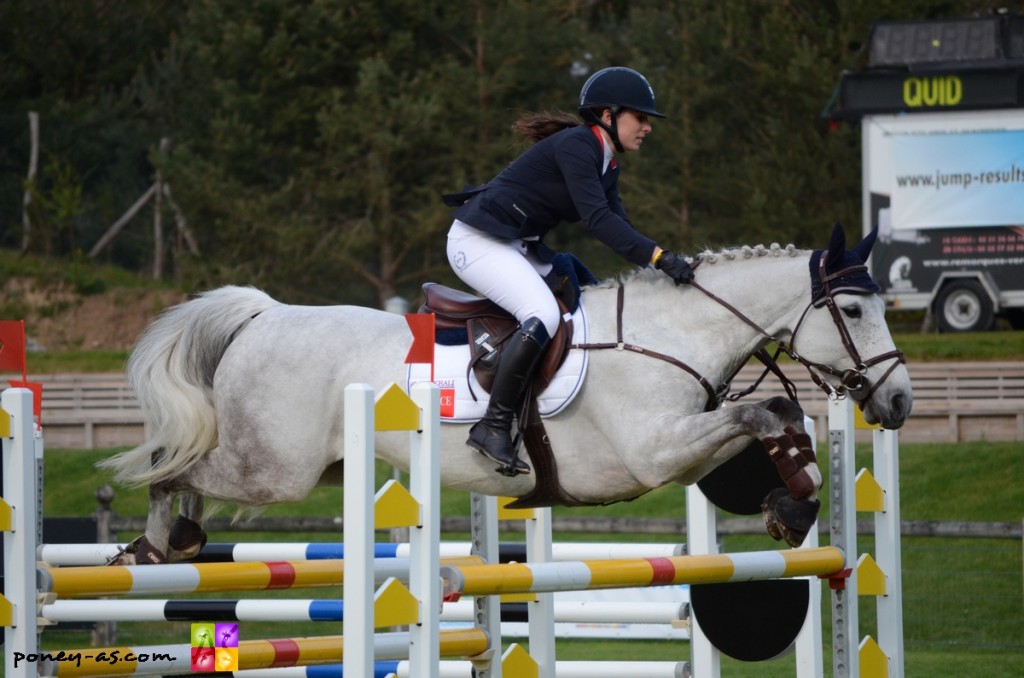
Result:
[{"x": 843, "y": 336}]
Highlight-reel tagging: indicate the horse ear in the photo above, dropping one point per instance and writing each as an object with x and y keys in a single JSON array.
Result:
[
  {"x": 863, "y": 248},
  {"x": 836, "y": 244}
]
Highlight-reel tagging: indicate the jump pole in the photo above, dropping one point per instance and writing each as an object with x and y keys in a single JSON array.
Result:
[
  {"x": 482, "y": 580},
  {"x": 304, "y": 610},
  {"x": 83, "y": 555},
  {"x": 181, "y": 578},
  {"x": 464, "y": 669},
  {"x": 255, "y": 654},
  {"x": 119, "y": 580}
]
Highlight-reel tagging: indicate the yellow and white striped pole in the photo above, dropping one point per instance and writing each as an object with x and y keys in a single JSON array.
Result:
[{"x": 481, "y": 580}]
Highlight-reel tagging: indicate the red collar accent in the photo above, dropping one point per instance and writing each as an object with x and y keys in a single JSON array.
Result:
[{"x": 600, "y": 140}]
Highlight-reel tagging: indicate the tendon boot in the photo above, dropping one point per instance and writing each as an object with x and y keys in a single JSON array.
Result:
[{"x": 491, "y": 436}]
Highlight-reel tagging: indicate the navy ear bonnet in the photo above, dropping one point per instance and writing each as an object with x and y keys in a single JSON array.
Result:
[{"x": 857, "y": 280}]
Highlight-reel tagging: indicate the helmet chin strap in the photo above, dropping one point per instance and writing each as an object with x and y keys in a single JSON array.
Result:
[{"x": 612, "y": 129}]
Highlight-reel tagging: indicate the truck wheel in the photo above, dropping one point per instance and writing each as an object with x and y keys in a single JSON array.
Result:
[{"x": 964, "y": 306}]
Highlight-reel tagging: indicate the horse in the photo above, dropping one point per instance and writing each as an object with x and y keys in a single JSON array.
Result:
[{"x": 243, "y": 395}]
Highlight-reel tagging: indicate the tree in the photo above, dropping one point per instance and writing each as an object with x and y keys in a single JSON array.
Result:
[
  {"x": 312, "y": 140},
  {"x": 76, "y": 63}
]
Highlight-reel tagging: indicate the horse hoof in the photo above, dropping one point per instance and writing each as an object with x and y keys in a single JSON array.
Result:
[
  {"x": 788, "y": 518},
  {"x": 186, "y": 539},
  {"x": 188, "y": 553},
  {"x": 772, "y": 526}
]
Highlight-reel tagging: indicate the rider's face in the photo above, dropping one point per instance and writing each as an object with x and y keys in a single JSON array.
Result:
[{"x": 632, "y": 126}]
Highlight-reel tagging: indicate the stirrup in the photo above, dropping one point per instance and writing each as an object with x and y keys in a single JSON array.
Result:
[{"x": 509, "y": 468}]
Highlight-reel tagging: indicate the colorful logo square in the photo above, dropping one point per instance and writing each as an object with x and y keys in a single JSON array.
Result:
[
  {"x": 203, "y": 635},
  {"x": 227, "y": 658},
  {"x": 227, "y": 635},
  {"x": 203, "y": 659},
  {"x": 214, "y": 646}
]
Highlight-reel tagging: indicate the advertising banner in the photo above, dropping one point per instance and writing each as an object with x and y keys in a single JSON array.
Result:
[{"x": 955, "y": 180}]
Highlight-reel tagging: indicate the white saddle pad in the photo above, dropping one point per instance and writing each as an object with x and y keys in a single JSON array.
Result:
[{"x": 458, "y": 403}]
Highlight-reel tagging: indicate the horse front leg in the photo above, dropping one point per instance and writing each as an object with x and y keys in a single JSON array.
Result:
[
  {"x": 187, "y": 537},
  {"x": 778, "y": 423},
  {"x": 792, "y": 451},
  {"x": 791, "y": 512}
]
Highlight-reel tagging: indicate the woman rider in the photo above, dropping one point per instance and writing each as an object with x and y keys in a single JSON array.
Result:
[{"x": 495, "y": 244}]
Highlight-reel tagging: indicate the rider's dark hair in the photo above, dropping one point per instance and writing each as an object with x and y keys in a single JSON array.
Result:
[{"x": 536, "y": 126}]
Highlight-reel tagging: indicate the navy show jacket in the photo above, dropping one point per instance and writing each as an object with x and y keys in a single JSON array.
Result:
[{"x": 556, "y": 180}]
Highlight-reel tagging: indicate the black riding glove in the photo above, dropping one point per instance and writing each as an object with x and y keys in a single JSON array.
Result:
[{"x": 675, "y": 266}]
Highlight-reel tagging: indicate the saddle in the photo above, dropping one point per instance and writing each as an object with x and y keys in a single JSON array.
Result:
[{"x": 487, "y": 327}]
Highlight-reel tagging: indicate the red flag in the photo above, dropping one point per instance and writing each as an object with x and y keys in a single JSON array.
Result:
[
  {"x": 422, "y": 327},
  {"x": 37, "y": 396},
  {"x": 12, "y": 346}
]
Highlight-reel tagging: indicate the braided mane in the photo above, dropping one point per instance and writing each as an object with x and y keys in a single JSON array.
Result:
[
  {"x": 748, "y": 252},
  {"x": 726, "y": 254}
]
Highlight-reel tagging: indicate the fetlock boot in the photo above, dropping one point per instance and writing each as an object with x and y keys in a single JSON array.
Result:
[{"x": 492, "y": 435}]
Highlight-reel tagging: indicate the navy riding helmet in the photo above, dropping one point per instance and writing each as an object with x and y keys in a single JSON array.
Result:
[{"x": 616, "y": 88}]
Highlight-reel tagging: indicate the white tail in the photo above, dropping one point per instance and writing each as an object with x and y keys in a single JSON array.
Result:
[{"x": 171, "y": 371}]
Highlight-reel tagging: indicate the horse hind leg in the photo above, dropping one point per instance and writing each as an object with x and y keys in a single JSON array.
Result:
[
  {"x": 151, "y": 547},
  {"x": 187, "y": 537}
]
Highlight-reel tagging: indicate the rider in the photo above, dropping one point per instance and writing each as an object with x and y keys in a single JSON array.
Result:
[{"x": 495, "y": 244}]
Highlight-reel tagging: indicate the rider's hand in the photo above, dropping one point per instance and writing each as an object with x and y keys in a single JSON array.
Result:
[{"x": 675, "y": 266}]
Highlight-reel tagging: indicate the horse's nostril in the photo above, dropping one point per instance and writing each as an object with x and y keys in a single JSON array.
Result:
[{"x": 898, "y": 403}]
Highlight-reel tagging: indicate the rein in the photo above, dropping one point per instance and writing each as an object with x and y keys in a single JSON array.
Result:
[
  {"x": 851, "y": 381},
  {"x": 714, "y": 397}
]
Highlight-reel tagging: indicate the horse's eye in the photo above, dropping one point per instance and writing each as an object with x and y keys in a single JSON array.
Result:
[{"x": 853, "y": 311}]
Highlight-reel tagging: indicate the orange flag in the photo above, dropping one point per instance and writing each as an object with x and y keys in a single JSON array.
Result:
[
  {"x": 12, "y": 346},
  {"x": 37, "y": 396},
  {"x": 422, "y": 327}
]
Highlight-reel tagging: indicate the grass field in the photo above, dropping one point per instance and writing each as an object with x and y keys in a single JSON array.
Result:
[{"x": 963, "y": 604}]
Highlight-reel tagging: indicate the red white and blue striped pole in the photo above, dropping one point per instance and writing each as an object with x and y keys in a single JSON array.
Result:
[
  {"x": 464, "y": 669},
  {"x": 81, "y": 555},
  {"x": 261, "y": 610}
]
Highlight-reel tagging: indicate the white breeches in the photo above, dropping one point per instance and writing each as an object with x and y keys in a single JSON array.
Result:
[{"x": 505, "y": 272}]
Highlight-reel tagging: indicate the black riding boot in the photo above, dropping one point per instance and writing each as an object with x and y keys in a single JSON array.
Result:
[{"x": 491, "y": 436}]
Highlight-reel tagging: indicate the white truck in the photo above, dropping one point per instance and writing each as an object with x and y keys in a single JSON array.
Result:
[
  {"x": 946, "y": 191},
  {"x": 940, "y": 105}
]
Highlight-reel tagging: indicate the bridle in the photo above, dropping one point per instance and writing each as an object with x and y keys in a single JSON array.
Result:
[{"x": 852, "y": 382}]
